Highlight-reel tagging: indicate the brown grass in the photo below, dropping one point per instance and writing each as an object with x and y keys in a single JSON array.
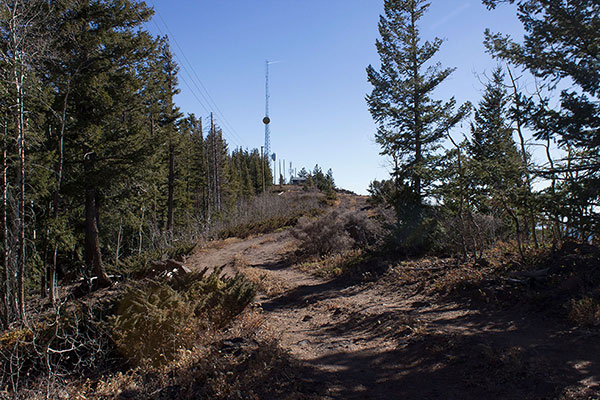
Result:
[
  {"x": 268, "y": 213},
  {"x": 584, "y": 312},
  {"x": 264, "y": 280},
  {"x": 334, "y": 265}
]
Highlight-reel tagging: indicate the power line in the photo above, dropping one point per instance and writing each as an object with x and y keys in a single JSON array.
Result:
[
  {"x": 205, "y": 107},
  {"x": 209, "y": 100}
]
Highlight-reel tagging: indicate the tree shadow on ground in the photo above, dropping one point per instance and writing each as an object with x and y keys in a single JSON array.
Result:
[{"x": 449, "y": 350}]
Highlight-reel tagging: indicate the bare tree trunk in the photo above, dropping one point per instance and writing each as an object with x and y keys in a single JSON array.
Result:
[
  {"x": 141, "y": 231},
  {"x": 262, "y": 167},
  {"x": 59, "y": 176},
  {"x": 218, "y": 168},
  {"x": 529, "y": 195},
  {"x": 16, "y": 38},
  {"x": 5, "y": 251},
  {"x": 171, "y": 187},
  {"x": 19, "y": 79},
  {"x": 118, "y": 249},
  {"x": 93, "y": 258},
  {"x": 556, "y": 219},
  {"x": 215, "y": 165}
]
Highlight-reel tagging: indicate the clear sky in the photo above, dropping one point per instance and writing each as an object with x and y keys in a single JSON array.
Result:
[{"x": 318, "y": 109}]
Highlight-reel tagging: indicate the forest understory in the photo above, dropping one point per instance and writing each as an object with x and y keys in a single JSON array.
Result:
[{"x": 256, "y": 318}]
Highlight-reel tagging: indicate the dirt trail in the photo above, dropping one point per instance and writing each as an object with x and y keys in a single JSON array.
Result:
[{"x": 375, "y": 340}]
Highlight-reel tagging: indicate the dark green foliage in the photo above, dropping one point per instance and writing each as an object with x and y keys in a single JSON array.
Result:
[
  {"x": 549, "y": 50},
  {"x": 112, "y": 168},
  {"x": 493, "y": 168},
  {"x": 320, "y": 181},
  {"x": 216, "y": 298},
  {"x": 410, "y": 122},
  {"x": 561, "y": 45}
]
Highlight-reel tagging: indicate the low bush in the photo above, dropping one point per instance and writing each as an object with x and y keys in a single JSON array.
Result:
[
  {"x": 340, "y": 264},
  {"x": 154, "y": 320},
  {"x": 147, "y": 324},
  {"x": 267, "y": 213},
  {"x": 217, "y": 298},
  {"x": 69, "y": 341},
  {"x": 322, "y": 237},
  {"x": 337, "y": 233},
  {"x": 257, "y": 227},
  {"x": 584, "y": 312},
  {"x": 138, "y": 266}
]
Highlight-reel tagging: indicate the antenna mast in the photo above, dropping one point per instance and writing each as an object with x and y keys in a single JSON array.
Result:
[{"x": 266, "y": 119}]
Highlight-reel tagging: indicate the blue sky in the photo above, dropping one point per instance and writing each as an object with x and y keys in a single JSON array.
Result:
[{"x": 318, "y": 111}]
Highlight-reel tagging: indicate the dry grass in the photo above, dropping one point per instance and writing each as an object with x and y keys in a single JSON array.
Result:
[
  {"x": 231, "y": 367},
  {"x": 334, "y": 265},
  {"x": 264, "y": 280},
  {"x": 218, "y": 244},
  {"x": 268, "y": 213},
  {"x": 566, "y": 279},
  {"x": 584, "y": 312}
]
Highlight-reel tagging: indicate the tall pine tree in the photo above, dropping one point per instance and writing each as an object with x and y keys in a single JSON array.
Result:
[{"x": 411, "y": 123}]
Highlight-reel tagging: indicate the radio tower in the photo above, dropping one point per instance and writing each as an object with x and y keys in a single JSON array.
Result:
[{"x": 266, "y": 119}]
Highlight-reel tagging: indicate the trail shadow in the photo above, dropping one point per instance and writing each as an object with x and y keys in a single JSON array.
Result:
[
  {"x": 491, "y": 353},
  {"x": 275, "y": 265},
  {"x": 488, "y": 354},
  {"x": 304, "y": 295},
  {"x": 501, "y": 359}
]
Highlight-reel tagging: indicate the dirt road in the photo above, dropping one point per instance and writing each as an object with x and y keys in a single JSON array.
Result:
[{"x": 384, "y": 340}]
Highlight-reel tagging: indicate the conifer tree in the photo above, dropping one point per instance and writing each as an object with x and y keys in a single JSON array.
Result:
[
  {"x": 562, "y": 41},
  {"x": 169, "y": 114},
  {"x": 106, "y": 135},
  {"x": 410, "y": 122},
  {"x": 493, "y": 149},
  {"x": 497, "y": 173}
]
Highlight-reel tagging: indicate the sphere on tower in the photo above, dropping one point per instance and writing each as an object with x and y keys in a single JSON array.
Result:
[{"x": 266, "y": 120}]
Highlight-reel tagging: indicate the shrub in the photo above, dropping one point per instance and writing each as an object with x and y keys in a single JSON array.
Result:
[
  {"x": 416, "y": 238},
  {"x": 584, "y": 312},
  {"x": 324, "y": 236},
  {"x": 364, "y": 231},
  {"x": 153, "y": 322},
  {"x": 267, "y": 213},
  {"x": 218, "y": 298},
  {"x": 66, "y": 341}
]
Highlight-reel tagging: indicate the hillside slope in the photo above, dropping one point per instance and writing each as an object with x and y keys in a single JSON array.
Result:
[{"x": 392, "y": 338}]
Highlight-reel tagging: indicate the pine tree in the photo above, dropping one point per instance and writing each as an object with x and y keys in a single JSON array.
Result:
[
  {"x": 496, "y": 166},
  {"x": 561, "y": 42},
  {"x": 493, "y": 148},
  {"x": 169, "y": 114},
  {"x": 107, "y": 133},
  {"x": 410, "y": 122}
]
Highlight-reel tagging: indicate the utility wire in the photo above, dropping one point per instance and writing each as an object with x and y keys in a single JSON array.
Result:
[
  {"x": 208, "y": 98},
  {"x": 192, "y": 90},
  {"x": 205, "y": 107}
]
